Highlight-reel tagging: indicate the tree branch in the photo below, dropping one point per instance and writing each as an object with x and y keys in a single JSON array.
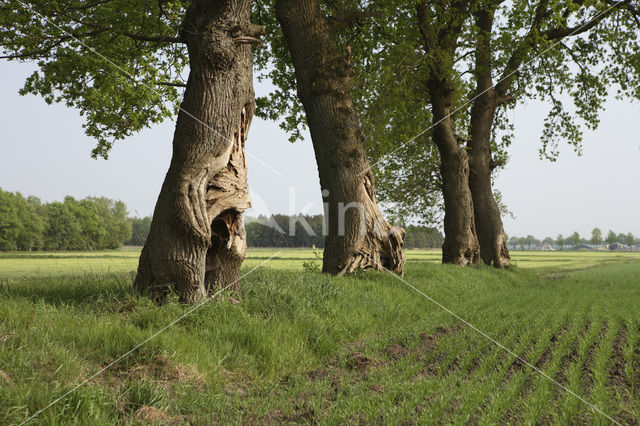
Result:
[
  {"x": 140, "y": 37},
  {"x": 493, "y": 164},
  {"x": 483, "y": 51},
  {"x": 349, "y": 18},
  {"x": 166, "y": 83},
  {"x": 157, "y": 39},
  {"x": 560, "y": 33},
  {"x": 519, "y": 55},
  {"x": 56, "y": 42}
]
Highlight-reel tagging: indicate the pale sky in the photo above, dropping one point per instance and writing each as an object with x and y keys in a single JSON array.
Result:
[{"x": 44, "y": 152}]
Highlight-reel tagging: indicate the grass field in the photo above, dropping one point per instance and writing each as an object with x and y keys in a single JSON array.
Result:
[
  {"x": 20, "y": 264},
  {"x": 301, "y": 347}
]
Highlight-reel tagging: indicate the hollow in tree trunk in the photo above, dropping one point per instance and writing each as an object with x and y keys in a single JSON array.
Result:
[
  {"x": 197, "y": 239},
  {"x": 358, "y": 235}
]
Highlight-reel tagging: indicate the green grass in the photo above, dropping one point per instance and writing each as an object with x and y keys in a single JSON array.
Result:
[
  {"x": 302, "y": 347},
  {"x": 20, "y": 264}
]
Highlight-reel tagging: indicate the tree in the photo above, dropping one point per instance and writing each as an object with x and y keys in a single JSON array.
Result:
[
  {"x": 514, "y": 241},
  {"x": 115, "y": 222},
  {"x": 9, "y": 222},
  {"x": 560, "y": 241},
  {"x": 455, "y": 68},
  {"x": 139, "y": 231},
  {"x": 611, "y": 237},
  {"x": 575, "y": 239},
  {"x": 27, "y": 224},
  {"x": 358, "y": 235},
  {"x": 531, "y": 241},
  {"x": 629, "y": 239},
  {"x": 31, "y": 223},
  {"x": 88, "y": 224},
  {"x": 196, "y": 240},
  {"x": 63, "y": 230},
  {"x": 596, "y": 237}
]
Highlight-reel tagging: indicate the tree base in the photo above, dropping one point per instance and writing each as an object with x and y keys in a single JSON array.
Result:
[
  {"x": 381, "y": 253},
  {"x": 465, "y": 257}
]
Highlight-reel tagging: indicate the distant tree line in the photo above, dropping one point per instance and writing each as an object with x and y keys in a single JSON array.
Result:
[
  {"x": 576, "y": 242},
  {"x": 306, "y": 231},
  {"x": 28, "y": 224},
  {"x": 285, "y": 231}
]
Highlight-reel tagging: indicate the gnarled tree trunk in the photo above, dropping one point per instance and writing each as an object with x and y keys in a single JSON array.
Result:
[
  {"x": 358, "y": 235},
  {"x": 440, "y": 41},
  {"x": 493, "y": 245},
  {"x": 460, "y": 242},
  {"x": 197, "y": 229}
]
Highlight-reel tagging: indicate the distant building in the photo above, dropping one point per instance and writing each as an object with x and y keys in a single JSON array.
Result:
[
  {"x": 545, "y": 247},
  {"x": 619, "y": 247},
  {"x": 583, "y": 247}
]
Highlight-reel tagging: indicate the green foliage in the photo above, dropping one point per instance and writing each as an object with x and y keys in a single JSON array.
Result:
[
  {"x": 313, "y": 265},
  {"x": 575, "y": 239},
  {"x": 629, "y": 239},
  {"x": 21, "y": 222},
  {"x": 93, "y": 223},
  {"x": 611, "y": 237},
  {"x": 276, "y": 232},
  {"x": 109, "y": 59},
  {"x": 554, "y": 58},
  {"x": 596, "y": 237},
  {"x": 139, "y": 231},
  {"x": 422, "y": 237}
]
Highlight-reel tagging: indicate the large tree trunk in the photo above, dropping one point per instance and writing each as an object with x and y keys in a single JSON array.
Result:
[
  {"x": 358, "y": 235},
  {"x": 460, "y": 242},
  {"x": 197, "y": 226},
  {"x": 493, "y": 245}
]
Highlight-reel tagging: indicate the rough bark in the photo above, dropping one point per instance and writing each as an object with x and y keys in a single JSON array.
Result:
[
  {"x": 358, "y": 235},
  {"x": 197, "y": 226},
  {"x": 440, "y": 41},
  {"x": 460, "y": 242},
  {"x": 493, "y": 245}
]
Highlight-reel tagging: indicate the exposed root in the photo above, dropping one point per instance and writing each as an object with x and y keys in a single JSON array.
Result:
[{"x": 381, "y": 245}]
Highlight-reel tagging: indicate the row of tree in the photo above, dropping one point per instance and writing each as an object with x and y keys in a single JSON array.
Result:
[
  {"x": 414, "y": 92},
  {"x": 574, "y": 240},
  {"x": 88, "y": 224}
]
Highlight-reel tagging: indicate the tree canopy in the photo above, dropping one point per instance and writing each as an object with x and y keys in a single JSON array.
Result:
[
  {"x": 89, "y": 224},
  {"x": 119, "y": 62},
  {"x": 572, "y": 55}
]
